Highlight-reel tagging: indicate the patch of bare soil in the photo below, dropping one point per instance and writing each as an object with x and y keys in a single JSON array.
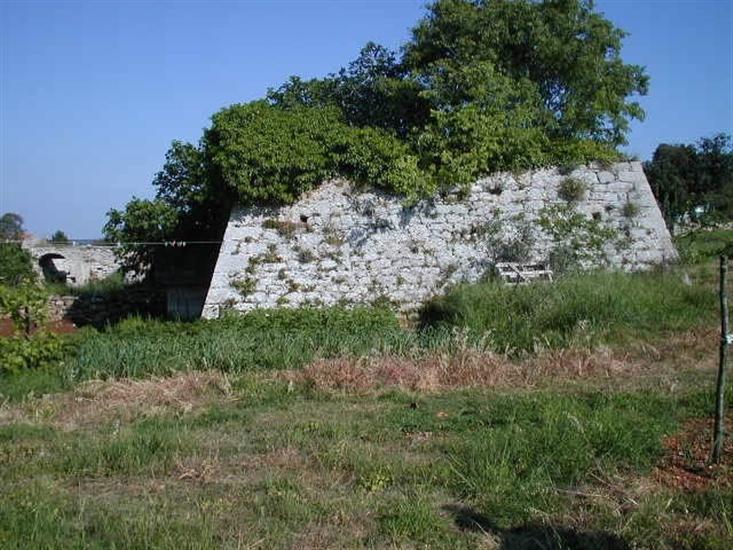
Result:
[
  {"x": 686, "y": 466},
  {"x": 63, "y": 326},
  {"x": 470, "y": 368}
]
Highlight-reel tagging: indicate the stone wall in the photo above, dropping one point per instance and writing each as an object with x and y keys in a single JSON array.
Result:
[
  {"x": 343, "y": 245},
  {"x": 74, "y": 264}
]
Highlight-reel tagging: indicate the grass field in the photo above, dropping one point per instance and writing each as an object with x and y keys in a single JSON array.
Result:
[{"x": 580, "y": 420}]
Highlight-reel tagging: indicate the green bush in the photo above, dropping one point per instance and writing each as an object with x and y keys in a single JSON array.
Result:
[
  {"x": 25, "y": 305},
  {"x": 15, "y": 265},
  {"x": 43, "y": 349}
]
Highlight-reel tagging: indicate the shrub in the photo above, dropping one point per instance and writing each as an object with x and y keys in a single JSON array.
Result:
[
  {"x": 25, "y": 305},
  {"x": 43, "y": 349},
  {"x": 245, "y": 286},
  {"x": 284, "y": 228},
  {"x": 15, "y": 265}
]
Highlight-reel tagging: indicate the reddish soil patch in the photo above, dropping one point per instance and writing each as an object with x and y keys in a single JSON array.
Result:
[
  {"x": 64, "y": 326},
  {"x": 686, "y": 465}
]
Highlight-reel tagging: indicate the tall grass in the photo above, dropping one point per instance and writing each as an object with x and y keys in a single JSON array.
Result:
[
  {"x": 259, "y": 340},
  {"x": 579, "y": 310},
  {"x": 582, "y": 309}
]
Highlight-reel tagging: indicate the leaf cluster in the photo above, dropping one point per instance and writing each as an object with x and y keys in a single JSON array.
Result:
[{"x": 15, "y": 265}]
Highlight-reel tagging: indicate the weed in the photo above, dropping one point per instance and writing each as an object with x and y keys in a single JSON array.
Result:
[
  {"x": 572, "y": 189},
  {"x": 245, "y": 286}
]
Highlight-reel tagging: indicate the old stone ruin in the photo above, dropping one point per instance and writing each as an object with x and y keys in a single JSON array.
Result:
[
  {"x": 341, "y": 244},
  {"x": 74, "y": 263}
]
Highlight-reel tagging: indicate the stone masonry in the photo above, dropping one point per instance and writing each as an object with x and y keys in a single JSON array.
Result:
[
  {"x": 341, "y": 244},
  {"x": 75, "y": 264}
]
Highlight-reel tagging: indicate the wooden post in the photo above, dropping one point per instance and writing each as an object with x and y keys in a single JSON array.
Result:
[{"x": 718, "y": 429}]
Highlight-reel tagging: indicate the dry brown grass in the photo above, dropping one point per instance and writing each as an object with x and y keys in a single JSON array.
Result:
[
  {"x": 99, "y": 401},
  {"x": 471, "y": 368}
]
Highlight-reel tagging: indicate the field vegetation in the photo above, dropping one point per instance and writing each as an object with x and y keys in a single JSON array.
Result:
[{"x": 570, "y": 415}]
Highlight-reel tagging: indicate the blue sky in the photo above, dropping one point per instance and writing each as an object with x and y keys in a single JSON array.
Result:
[{"x": 92, "y": 93}]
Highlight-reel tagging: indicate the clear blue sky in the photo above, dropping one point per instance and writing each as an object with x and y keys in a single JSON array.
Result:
[{"x": 92, "y": 93}]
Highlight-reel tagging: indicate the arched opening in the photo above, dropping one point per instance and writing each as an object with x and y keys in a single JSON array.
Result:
[{"x": 53, "y": 269}]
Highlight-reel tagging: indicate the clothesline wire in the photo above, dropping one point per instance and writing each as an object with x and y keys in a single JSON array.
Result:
[{"x": 114, "y": 244}]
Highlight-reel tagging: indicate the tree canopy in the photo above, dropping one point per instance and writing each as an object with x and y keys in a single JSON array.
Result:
[
  {"x": 11, "y": 227},
  {"x": 481, "y": 86},
  {"x": 693, "y": 182}
]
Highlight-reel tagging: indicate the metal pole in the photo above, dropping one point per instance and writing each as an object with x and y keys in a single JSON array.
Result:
[{"x": 719, "y": 430}]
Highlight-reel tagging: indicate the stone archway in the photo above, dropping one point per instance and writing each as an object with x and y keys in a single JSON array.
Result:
[{"x": 53, "y": 268}]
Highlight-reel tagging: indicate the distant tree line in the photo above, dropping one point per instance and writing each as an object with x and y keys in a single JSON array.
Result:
[{"x": 693, "y": 182}]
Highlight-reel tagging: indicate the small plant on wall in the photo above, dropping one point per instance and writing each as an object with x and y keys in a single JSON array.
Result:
[
  {"x": 578, "y": 240},
  {"x": 285, "y": 229},
  {"x": 572, "y": 190},
  {"x": 630, "y": 210},
  {"x": 245, "y": 286}
]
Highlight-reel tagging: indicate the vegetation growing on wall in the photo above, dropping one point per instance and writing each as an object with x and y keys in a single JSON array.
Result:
[{"x": 480, "y": 87}]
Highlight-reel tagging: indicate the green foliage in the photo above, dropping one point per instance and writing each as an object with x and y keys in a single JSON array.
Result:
[
  {"x": 284, "y": 228},
  {"x": 284, "y": 338},
  {"x": 190, "y": 204},
  {"x": 693, "y": 182},
  {"x": 524, "y": 444},
  {"x": 245, "y": 287},
  {"x": 42, "y": 350},
  {"x": 481, "y": 87},
  {"x": 630, "y": 209},
  {"x": 16, "y": 265},
  {"x": 253, "y": 147},
  {"x": 25, "y": 305},
  {"x": 566, "y": 53},
  {"x": 699, "y": 246},
  {"x": 579, "y": 241},
  {"x": 142, "y": 221},
  {"x": 577, "y": 309}
]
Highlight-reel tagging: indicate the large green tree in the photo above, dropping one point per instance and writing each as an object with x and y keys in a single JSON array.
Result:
[
  {"x": 693, "y": 181},
  {"x": 481, "y": 86}
]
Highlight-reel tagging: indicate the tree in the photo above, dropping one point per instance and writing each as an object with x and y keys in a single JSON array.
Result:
[
  {"x": 693, "y": 181},
  {"x": 11, "y": 227},
  {"x": 482, "y": 86},
  {"x": 563, "y": 49},
  {"x": 59, "y": 237}
]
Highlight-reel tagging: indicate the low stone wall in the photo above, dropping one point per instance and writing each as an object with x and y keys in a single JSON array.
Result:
[
  {"x": 76, "y": 264},
  {"x": 343, "y": 245}
]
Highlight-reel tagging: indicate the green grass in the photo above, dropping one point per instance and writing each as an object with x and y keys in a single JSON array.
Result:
[
  {"x": 581, "y": 310},
  {"x": 296, "y": 468},
  {"x": 277, "y": 465}
]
